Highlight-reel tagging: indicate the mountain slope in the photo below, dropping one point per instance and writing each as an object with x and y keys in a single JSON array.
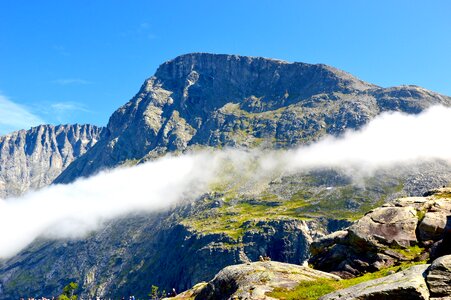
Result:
[
  {"x": 200, "y": 100},
  {"x": 214, "y": 100},
  {"x": 31, "y": 159}
]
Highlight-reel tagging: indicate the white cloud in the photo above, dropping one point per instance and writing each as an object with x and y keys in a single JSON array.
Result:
[
  {"x": 61, "y": 107},
  {"x": 71, "y": 81},
  {"x": 75, "y": 209},
  {"x": 389, "y": 139},
  {"x": 14, "y": 116}
]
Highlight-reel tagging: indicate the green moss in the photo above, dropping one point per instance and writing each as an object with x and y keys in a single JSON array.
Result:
[
  {"x": 409, "y": 253},
  {"x": 443, "y": 195},
  {"x": 310, "y": 290},
  {"x": 420, "y": 215}
]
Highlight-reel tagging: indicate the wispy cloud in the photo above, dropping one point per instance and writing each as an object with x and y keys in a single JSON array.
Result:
[
  {"x": 61, "y": 50},
  {"x": 71, "y": 81},
  {"x": 14, "y": 116},
  {"x": 62, "y": 112},
  {"x": 63, "y": 107},
  {"x": 144, "y": 29}
]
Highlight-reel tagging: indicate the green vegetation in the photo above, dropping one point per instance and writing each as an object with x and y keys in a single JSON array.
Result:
[
  {"x": 154, "y": 294},
  {"x": 444, "y": 194},
  {"x": 68, "y": 292},
  {"x": 420, "y": 215},
  {"x": 409, "y": 253},
  {"x": 238, "y": 202},
  {"x": 310, "y": 290}
]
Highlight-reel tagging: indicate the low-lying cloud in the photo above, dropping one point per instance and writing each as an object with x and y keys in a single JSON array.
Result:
[
  {"x": 67, "y": 211},
  {"x": 389, "y": 139}
]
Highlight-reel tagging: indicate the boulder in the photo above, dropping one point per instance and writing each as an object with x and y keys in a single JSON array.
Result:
[
  {"x": 408, "y": 284},
  {"x": 253, "y": 281},
  {"x": 439, "y": 277},
  {"x": 327, "y": 241},
  {"x": 432, "y": 226},
  {"x": 385, "y": 226}
]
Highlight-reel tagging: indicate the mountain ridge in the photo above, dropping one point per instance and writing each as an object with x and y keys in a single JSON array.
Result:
[
  {"x": 31, "y": 159},
  {"x": 222, "y": 100}
]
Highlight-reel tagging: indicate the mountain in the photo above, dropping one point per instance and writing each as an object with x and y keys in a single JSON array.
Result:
[
  {"x": 31, "y": 159},
  {"x": 207, "y": 100},
  {"x": 214, "y": 100}
]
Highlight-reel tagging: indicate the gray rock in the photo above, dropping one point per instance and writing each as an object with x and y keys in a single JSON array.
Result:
[
  {"x": 30, "y": 159},
  {"x": 254, "y": 280},
  {"x": 439, "y": 277},
  {"x": 324, "y": 242},
  {"x": 432, "y": 226},
  {"x": 374, "y": 241},
  {"x": 408, "y": 284},
  {"x": 387, "y": 226}
]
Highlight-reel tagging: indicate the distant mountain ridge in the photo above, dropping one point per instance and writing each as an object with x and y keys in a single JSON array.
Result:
[
  {"x": 30, "y": 159},
  {"x": 217, "y": 100}
]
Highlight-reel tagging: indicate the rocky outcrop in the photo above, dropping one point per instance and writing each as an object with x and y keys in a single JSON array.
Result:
[
  {"x": 439, "y": 277},
  {"x": 30, "y": 159},
  {"x": 403, "y": 230},
  {"x": 417, "y": 282},
  {"x": 407, "y": 284},
  {"x": 389, "y": 226},
  {"x": 214, "y": 100},
  {"x": 253, "y": 281}
]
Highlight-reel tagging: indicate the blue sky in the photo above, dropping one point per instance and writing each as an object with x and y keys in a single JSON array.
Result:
[{"x": 78, "y": 61}]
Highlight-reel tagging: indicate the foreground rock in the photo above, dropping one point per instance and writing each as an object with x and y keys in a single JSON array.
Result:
[
  {"x": 253, "y": 281},
  {"x": 400, "y": 231},
  {"x": 408, "y": 284},
  {"x": 439, "y": 277}
]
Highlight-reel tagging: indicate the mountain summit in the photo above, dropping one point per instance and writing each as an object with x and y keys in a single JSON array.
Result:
[{"x": 217, "y": 100}]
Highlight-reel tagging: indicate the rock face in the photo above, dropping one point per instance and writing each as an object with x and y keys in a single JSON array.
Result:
[
  {"x": 398, "y": 231},
  {"x": 408, "y": 284},
  {"x": 31, "y": 159},
  {"x": 253, "y": 281},
  {"x": 439, "y": 277},
  {"x": 204, "y": 99},
  {"x": 387, "y": 226}
]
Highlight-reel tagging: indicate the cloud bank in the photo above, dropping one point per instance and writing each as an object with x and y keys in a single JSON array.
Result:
[
  {"x": 67, "y": 211},
  {"x": 15, "y": 117},
  {"x": 71, "y": 81},
  {"x": 389, "y": 139}
]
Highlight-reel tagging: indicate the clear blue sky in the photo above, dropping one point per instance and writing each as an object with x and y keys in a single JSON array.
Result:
[{"x": 78, "y": 61}]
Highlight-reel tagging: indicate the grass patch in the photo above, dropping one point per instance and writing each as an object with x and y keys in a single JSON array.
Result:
[
  {"x": 311, "y": 290},
  {"x": 409, "y": 253}
]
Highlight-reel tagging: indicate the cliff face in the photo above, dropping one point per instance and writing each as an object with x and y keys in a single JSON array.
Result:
[
  {"x": 30, "y": 159},
  {"x": 227, "y": 100}
]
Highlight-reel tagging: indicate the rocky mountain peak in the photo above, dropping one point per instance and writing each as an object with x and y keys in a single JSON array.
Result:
[
  {"x": 246, "y": 76},
  {"x": 218, "y": 100}
]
